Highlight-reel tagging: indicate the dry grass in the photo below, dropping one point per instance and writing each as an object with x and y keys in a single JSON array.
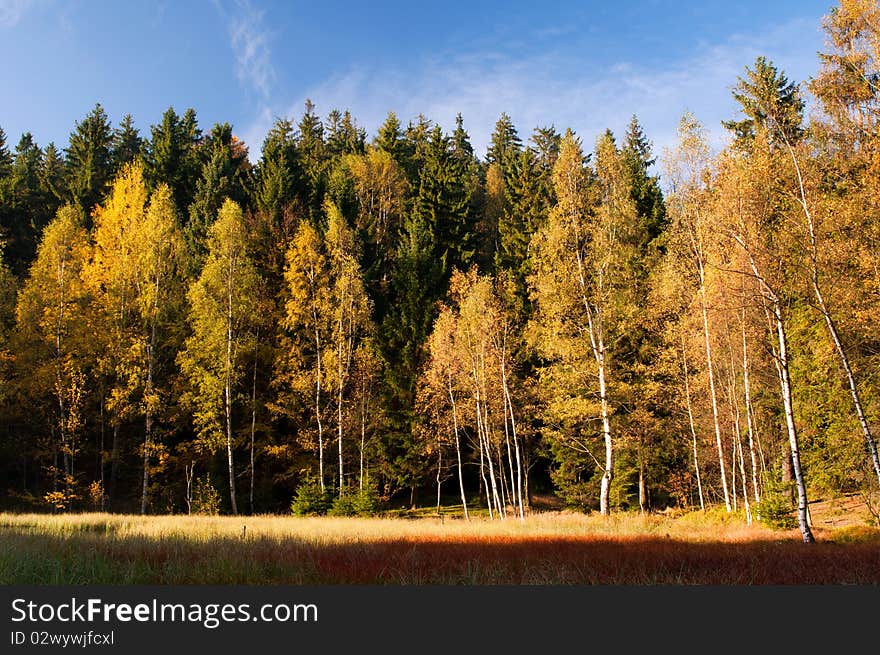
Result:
[{"x": 547, "y": 548}]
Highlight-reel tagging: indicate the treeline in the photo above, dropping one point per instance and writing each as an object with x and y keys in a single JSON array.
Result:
[{"x": 396, "y": 317}]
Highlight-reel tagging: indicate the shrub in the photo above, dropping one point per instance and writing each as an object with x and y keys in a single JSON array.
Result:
[
  {"x": 366, "y": 501},
  {"x": 343, "y": 506},
  {"x": 309, "y": 499},
  {"x": 206, "y": 498},
  {"x": 777, "y": 509},
  {"x": 357, "y": 502}
]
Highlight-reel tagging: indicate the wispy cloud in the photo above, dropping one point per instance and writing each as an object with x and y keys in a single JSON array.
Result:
[
  {"x": 11, "y": 11},
  {"x": 562, "y": 88},
  {"x": 249, "y": 39}
]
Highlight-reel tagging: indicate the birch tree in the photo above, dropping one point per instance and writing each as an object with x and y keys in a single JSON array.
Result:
[
  {"x": 307, "y": 320},
  {"x": 580, "y": 281},
  {"x": 221, "y": 312},
  {"x": 51, "y": 335}
]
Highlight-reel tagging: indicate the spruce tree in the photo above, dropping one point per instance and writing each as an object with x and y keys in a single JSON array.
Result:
[
  {"x": 127, "y": 144},
  {"x": 504, "y": 145},
  {"x": 770, "y": 102},
  {"x": 223, "y": 176},
  {"x": 89, "y": 165},
  {"x": 389, "y": 138},
  {"x": 172, "y": 158}
]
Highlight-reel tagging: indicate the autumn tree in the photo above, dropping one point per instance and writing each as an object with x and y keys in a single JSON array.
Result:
[
  {"x": 580, "y": 291},
  {"x": 222, "y": 311},
  {"x": 51, "y": 339}
]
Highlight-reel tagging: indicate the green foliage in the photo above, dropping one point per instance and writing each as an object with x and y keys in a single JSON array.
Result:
[
  {"x": 171, "y": 155},
  {"x": 310, "y": 500},
  {"x": 777, "y": 508},
  {"x": 357, "y": 502},
  {"x": 89, "y": 165},
  {"x": 769, "y": 102}
]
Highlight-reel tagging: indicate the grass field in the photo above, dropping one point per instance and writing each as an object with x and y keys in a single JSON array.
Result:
[{"x": 546, "y": 548}]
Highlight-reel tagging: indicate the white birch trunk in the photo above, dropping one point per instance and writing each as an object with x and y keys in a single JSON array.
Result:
[
  {"x": 687, "y": 395},
  {"x": 712, "y": 395}
]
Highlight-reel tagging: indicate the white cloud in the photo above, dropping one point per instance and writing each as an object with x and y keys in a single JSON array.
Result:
[
  {"x": 249, "y": 39},
  {"x": 250, "y": 42},
  {"x": 557, "y": 87},
  {"x": 11, "y": 11}
]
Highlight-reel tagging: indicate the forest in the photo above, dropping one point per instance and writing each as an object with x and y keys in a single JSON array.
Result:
[{"x": 359, "y": 320}]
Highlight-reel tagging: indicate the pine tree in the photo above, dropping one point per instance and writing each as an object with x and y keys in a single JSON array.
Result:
[
  {"x": 443, "y": 204},
  {"x": 172, "y": 158},
  {"x": 25, "y": 205},
  {"x": 389, "y": 138},
  {"x": 5, "y": 156},
  {"x": 311, "y": 152},
  {"x": 278, "y": 171},
  {"x": 646, "y": 187},
  {"x": 89, "y": 164},
  {"x": 127, "y": 144},
  {"x": 223, "y": 177},
  {"x": 504, "y": 145},
  {"x": 52, "y": 178},
  {"x": 769, "y": 102}
]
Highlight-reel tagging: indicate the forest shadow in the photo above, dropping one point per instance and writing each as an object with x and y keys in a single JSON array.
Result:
[{"x": 96, "y": 558}]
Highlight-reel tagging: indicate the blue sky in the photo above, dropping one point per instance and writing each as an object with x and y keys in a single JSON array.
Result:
[{"x": 584, "y": 65}]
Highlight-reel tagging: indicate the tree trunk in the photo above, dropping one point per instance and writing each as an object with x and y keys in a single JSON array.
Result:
[
  {"x": 100, "y": 457},
  {"x": 228, "y": 405},
  {"x": 253, "y": 433},
  {"x": 458, "y": 450},
  {"x": 750, "y": 423},
  {"x": 803, "y": 521},
  {"x": 604, "y": 505},
  {"x": 439, "y": 471},
  {"x": 363, "y": 439},
  {"x": 712, "y": 394},
  {"x": 508, "y": 404},
  {"x": 114, "y": 462},
  {"x": 148, "y": 418},
  {"x": 318, "y": 401},
  {"x": 851, "y": 380},
  {"x": 339, "y": 422},
  {"x": 687, "y": 395}
]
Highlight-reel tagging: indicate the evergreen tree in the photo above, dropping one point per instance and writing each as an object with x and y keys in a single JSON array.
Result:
[
  {"x": 766, "y": 96},
  {"x": 461, "y": 141},
  {"x": 172, "y": 157},
  {"x": 417, "y": 275},
  {"x": 5, "y": 157},
  {"x": 390, "y": 138},
  {"x": 52, "y": 182},
  {"x": 223, "y": 176},
  {"x": 646, "y": 187},
  {"x": 343, "y": 134},
  {"x": 278, "y": 170},
  {"x": 311, "y": 152},
  {"x": 127, "y": 144},
  {"x": 24, "y": 215},
  {"x": 89, "y": 164},
  {"x": 504, "y": 145},
  {"x": 443, "y": 205},
  {"x": 417, "y": 137}
]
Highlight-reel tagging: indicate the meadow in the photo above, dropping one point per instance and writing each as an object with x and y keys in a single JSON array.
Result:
[{"x": 547, "y": 548}]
